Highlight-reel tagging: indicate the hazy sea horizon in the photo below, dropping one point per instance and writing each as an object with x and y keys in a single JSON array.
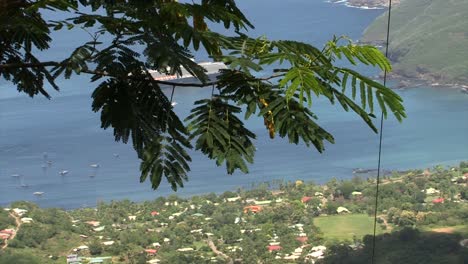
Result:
[{"x": 69, "y": 132}]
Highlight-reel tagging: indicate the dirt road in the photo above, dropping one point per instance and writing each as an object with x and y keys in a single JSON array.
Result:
[
  {"x": 217, "y": 252},
  {"x": 18, "y": 225}
]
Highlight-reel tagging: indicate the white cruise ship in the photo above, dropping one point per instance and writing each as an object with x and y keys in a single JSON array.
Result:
[{"x": 212, "y": 68}]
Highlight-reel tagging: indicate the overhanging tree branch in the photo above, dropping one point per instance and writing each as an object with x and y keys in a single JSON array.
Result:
[
  {"x": 29, "y": 65},
  {"x": 129, "y": 77}
]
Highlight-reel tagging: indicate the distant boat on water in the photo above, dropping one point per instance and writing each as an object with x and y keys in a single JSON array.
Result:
[
  {"x": 360, "y": 170},
  {"x": 63, "y": 173},
  {"x": 464, "y": 90},
  {"x": 15, "y": 175},
  {"x": 22, "y": 184},
  {"x": 95, "y": 169},
  {"x": 38, "y": 193}
]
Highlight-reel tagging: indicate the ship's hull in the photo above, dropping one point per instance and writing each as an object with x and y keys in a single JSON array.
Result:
[{"x": 212, "y": 70}]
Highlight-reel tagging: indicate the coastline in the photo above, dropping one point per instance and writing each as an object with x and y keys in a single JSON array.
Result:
[
  {"x": 364, "y": 4},
  {"x": 274, "y": 185},
  {"x": 420, "y": 56},
  {"x": 306, "y": 216},
  {"x": 405, "y": 81},
  {"x": 419, "y": 78}
]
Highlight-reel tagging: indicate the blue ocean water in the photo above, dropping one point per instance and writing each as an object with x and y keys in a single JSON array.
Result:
[{"x": 69, "y": 132}]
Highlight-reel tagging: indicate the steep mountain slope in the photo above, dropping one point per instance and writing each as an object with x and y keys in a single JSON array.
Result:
[{"x": 428, "y": 39}]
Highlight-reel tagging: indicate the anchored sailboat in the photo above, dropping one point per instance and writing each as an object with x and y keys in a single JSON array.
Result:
[{"x": 22, "y": 184}]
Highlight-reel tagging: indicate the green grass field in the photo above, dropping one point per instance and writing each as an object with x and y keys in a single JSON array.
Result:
[{"x": 344, "y": 227}]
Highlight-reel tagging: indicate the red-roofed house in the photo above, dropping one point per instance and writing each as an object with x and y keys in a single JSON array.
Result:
[
  {"x": 305, "y": 199},
  {"x": 438, "y": 201},
  {"x": 302, "y": 239},
  {"x": 7, "y": 231},
  {"x": 154, "y": 213},
  {"x": 274, "y": 248},
  {"x": 252, "y": 208},
  {"x": 151, "y": 251}
]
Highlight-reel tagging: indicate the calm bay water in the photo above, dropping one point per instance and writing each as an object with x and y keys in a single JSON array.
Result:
[{"x": 66, "y": 128}]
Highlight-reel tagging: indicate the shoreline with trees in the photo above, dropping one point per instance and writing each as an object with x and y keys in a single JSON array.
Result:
[{"x": 271, "y": 223}]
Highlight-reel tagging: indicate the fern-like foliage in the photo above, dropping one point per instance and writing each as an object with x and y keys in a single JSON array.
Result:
[
  {"x": 220, "y": 134},
  {"x": 22, "y": 29},
  {"x": 139, "y": 111},
  {"x": 287, "y": 117},
  {"x": 313, "y": 72}
]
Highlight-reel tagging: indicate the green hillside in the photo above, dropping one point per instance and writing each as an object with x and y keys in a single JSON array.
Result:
[{"x": 428, "y": 39}]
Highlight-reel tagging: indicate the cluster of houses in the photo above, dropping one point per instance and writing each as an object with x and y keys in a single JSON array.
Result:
[
  {"x": 96, "y": 227},
  {"x": 252, "y": 206},
  {"x": 434, "y": 192},
  {"x": 314, "y": 253}
]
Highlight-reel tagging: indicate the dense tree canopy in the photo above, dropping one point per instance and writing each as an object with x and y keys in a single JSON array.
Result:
[{"x": 162, "y": 35}]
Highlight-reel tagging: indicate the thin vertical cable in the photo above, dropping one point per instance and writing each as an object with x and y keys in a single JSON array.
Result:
[
  {"x": 172, "y": 106},
  {"x": 380, "y": 139},
  {"x": 172, "y": 93},
  {"x": 212, "y": 91}
]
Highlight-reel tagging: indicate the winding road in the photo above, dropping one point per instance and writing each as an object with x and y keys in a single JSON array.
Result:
[
  {"x": 219, "y": 253},
  {"x": 18, "y": 225}
]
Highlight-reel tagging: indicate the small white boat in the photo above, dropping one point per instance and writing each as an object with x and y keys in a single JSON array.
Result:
[
  {"x": 21, "y": 181},
  {"x": 38, "y": 193},
  {"x": 174, "y": 104},
  {"x": 64, "y": 172},
  {"x": 95, "y": 165},
  {"x": 22, "y": 184},
  {"x": 116, "y": 155},
  {"x": 15, "y": 175}
]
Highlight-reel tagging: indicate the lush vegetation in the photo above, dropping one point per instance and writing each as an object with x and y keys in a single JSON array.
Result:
[
  {"x": 428, "y": 39},
  {"x": 421, "y": 219},
  {"x": 5, "y": 220},
  {"x": 130, "y": 38}
]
